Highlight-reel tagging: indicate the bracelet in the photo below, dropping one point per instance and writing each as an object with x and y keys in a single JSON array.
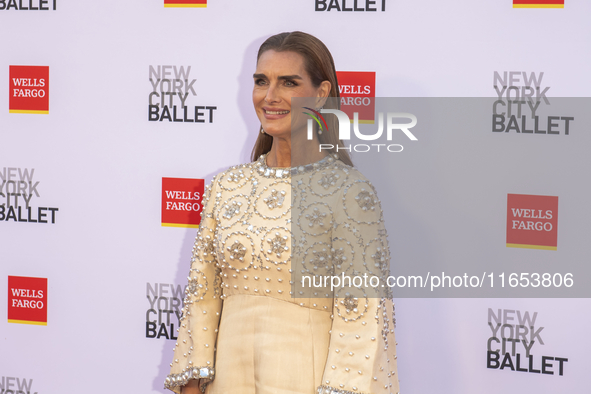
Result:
[{"x": 205, "y": 374}]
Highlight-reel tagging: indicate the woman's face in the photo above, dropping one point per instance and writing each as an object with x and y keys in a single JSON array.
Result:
[{"x": 279, "y": 77}]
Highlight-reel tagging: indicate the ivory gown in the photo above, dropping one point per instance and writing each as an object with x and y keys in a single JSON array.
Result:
[{"x": 271, "y": 340}]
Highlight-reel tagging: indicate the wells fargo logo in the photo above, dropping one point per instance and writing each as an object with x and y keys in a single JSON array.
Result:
[
  {"x": 358, "y": 91},
  {"x": 185, "y": 3},
  {"x": 29, "y": 90},
  {"x": 181, "y": 202},
  {"x": 27, "y": 300},
  {"x": 532, "y": 221},
  {"x": 538, "y": 3}
]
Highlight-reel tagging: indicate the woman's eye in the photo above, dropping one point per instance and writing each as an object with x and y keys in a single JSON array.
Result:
[
  {"x": 259, "y": 82},
  {"x": 290, "y": 83}
]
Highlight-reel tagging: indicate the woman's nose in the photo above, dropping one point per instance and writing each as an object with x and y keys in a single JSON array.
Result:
[{"x": 272, "y": 94}]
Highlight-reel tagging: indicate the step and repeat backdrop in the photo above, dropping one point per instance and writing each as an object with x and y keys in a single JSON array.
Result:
[{"x": 115, "y": 114}]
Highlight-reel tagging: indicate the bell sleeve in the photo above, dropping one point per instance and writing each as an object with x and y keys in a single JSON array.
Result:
[
  {"x": 362, "y": 350},
  {"x": 194, "y": 352}
]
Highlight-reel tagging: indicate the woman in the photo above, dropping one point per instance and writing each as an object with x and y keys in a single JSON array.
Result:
[{"x": 294, "y": 212}]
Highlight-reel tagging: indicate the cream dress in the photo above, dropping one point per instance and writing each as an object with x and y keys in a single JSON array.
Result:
[{"x": 255, "y": 318}]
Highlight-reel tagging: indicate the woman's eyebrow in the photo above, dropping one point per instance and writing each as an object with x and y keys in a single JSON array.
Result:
[
  {"x": 283, "y": 77},
  {"x": 290, "y": 77}
]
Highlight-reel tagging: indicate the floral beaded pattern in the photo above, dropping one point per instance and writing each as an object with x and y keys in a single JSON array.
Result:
[{"x": 263, "y": 229}]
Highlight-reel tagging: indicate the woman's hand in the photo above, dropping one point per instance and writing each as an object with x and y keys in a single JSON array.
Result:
[{"x": 192, "y": 387}]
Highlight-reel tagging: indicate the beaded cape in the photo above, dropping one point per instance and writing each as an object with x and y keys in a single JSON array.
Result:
[{"x": 263, "y": 230}]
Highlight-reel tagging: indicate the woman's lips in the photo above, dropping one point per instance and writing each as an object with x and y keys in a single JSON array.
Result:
[{"x": 275, "y": 113}]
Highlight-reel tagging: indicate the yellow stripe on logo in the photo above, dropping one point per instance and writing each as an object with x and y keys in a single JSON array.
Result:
[
  {"x": 185, "y": 5},
  {"x": 37, "y": 323},
  {"x": 538, "y": 5},
  {"x": 26, "y": 111},
  {"x": 180, "y": 225},
  {"x": 363, "y": 121},
  {"x": 531, "y": 246}
]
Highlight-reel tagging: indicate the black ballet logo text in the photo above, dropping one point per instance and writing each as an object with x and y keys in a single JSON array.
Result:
[
  {"x": 173, "y": 97},
  {"x": 515, "y": 344},
  {"x": 522, "y": 106},
  {"x": 19, "y": 195},
  {"x": 28, "y": 5},
  {"x": 165, "y": 310},
  {"x": 350, "y": 5},
  {"x": 16, "y": 385}
]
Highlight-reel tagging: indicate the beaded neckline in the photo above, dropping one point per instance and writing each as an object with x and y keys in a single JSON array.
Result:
[{"x": 286, "y": 172}]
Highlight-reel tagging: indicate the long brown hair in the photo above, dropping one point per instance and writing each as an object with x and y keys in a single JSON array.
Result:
[{"x": 320, "y": 67}]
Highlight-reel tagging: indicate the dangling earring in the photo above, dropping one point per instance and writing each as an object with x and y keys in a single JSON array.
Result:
[
  {"x": 318, "y": 110},
  {"x": 263, "y": 130}
]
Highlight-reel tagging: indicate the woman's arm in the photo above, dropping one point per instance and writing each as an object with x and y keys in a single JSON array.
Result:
[
  {"x": 194, "y": 350},
  {"x": 362, "y": 352}
]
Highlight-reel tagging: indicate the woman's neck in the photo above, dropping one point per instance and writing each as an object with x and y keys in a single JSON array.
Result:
[{"x": 304, "y": 152}]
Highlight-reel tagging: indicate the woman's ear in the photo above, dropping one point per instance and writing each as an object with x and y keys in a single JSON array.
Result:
[{"x": 323, "y": 92}]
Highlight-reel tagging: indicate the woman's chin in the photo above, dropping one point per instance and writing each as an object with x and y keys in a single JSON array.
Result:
[{"x": 277, "y": 132}]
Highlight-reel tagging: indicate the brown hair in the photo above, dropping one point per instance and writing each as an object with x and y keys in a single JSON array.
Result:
[{"x": 320, "y": 66}]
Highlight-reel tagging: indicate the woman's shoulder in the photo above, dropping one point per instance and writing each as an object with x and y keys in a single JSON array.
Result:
[
  {"x": 357, "y": 190},
  {"x": 235, "y": 170},
  {"x": 328, "y": 170},
  {"x": 352, "y": 175},
  {"x": 234, "y": 176},
  {"x": 332, "y": 179}
]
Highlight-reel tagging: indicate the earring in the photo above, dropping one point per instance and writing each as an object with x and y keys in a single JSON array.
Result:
[
  {"x": 263, "y": 130},
  {"x": 318, "y": 110}
]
